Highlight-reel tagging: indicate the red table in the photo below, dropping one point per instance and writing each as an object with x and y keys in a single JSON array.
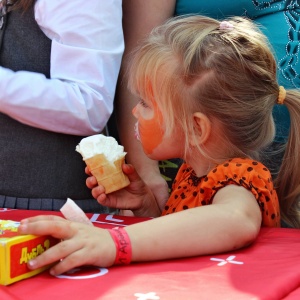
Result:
[{"x": 269, "y": 269}]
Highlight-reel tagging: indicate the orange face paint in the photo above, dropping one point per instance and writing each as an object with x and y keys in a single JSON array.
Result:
[
  {"x": 151, "y": 133},
  {"x": 150, "y": 130}
]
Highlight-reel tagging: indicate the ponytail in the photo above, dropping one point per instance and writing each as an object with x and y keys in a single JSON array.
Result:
[{"x": 287, "y": 182}]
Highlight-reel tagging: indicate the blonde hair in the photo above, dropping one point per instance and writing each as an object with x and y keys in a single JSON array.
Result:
[{"x": 229, "y": 75}]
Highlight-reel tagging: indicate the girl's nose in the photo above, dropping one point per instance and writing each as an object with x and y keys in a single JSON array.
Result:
[{"x": 135, "y": 111}]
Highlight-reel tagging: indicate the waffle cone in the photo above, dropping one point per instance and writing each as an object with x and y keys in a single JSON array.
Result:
[{"x": 108, "y": 174}]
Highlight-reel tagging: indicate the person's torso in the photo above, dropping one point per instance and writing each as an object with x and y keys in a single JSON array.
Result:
[
  {"x": 34, "y": 163},
  {"x": 190, "y": 191}
]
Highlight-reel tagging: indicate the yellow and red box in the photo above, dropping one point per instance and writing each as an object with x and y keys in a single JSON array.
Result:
[{"x": 16, "y": 250}]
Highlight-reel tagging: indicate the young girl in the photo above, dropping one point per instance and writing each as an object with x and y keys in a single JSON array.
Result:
[{"x": 207, "y": 90}]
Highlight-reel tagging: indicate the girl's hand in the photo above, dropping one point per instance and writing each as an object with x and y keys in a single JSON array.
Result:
[
  {"x": 136, "y": 197},
  {"x": 81, "y": 244}
]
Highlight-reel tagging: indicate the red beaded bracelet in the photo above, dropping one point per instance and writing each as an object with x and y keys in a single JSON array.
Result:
[{"x": 123, "y": 246}]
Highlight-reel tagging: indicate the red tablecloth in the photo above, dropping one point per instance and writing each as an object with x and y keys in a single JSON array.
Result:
[{"x": 269, "y": 269}]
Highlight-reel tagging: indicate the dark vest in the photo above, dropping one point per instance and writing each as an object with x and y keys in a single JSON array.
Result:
[{"x": 35, "y": 163}]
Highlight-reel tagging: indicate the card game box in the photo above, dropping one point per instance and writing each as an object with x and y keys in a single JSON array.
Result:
[{"x": 16, "y": 250}]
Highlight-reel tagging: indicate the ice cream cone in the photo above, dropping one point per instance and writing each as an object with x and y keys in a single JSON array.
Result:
[{"x": 108, "y": 174}]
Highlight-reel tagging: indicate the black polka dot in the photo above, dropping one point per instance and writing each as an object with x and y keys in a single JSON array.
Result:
[
  {"x": 182, "y": 196},
  {"x": 254, "y": 163},
  {"x": 195, "y": 194},
  {"x": 201, "y": 191},
  {"x": 226, "y": 165},
  {"x": 249, "y": 169},
  {"x": 273, "y": 216},
  {"x": 238, "y": 165},
  {"x": 215, "y": 170},
  {"x": 203, "y": 202},
  {"x": 185, "y": 207}
]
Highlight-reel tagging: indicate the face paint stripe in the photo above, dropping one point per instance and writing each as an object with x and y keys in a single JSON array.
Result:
[
  {"x": 151, "y": 134},
  {"x": 149, "y": 131}
]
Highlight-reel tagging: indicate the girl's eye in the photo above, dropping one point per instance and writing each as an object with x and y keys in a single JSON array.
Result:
[{"x": 143, "y": 103}]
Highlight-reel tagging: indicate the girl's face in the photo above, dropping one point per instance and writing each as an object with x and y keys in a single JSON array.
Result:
[{"x": 150, "y": 130}]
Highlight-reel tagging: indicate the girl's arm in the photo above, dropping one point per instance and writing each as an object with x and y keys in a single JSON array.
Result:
[
  {"x": 233, "y": 221},
  {"x": 86, "y": 50}
]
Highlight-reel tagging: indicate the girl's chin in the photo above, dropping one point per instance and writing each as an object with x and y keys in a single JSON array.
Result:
[{"x": 152, "y": 155}]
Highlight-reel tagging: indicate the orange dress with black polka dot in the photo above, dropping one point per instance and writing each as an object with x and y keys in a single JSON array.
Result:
[{"x": 190, "y": 191}]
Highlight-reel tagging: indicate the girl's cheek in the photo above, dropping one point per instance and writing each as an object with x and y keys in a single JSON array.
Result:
[{"x": 151, "y": 133}]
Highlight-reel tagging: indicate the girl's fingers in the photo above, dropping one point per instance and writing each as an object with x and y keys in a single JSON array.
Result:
[
  {"x": 60, "y": 252},
  {"x": 91, "y": 182},
  {"x": 87, "y": 171},
  {"x": 58, "y": 228},
  {"x": 75, "y": 259},
  {"x": 42, "y": 218},
  {"x": 98, "y": 190},
  {"x": 103, "y": 200}
]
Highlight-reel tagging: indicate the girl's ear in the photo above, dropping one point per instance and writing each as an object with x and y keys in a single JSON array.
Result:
[{"x": 202, "y": 129}]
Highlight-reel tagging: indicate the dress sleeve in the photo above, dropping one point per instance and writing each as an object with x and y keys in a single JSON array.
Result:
[
  {"x": 86, "y": 51},
  {"x": 253, "y": 176}
]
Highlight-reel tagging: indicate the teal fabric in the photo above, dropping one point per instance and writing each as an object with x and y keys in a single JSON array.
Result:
[{"x": 280, "y": 22}]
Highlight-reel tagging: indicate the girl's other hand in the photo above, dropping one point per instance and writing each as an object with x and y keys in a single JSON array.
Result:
[{"x": 136, "y": 197}]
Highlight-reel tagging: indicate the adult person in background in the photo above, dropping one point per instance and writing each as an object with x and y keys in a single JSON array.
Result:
[
  {"x": 280, "y": 23},
  {"x": 59, "y": 63}
]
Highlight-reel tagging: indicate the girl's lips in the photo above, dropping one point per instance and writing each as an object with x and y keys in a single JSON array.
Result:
[{"x": 136, "y": 131}]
